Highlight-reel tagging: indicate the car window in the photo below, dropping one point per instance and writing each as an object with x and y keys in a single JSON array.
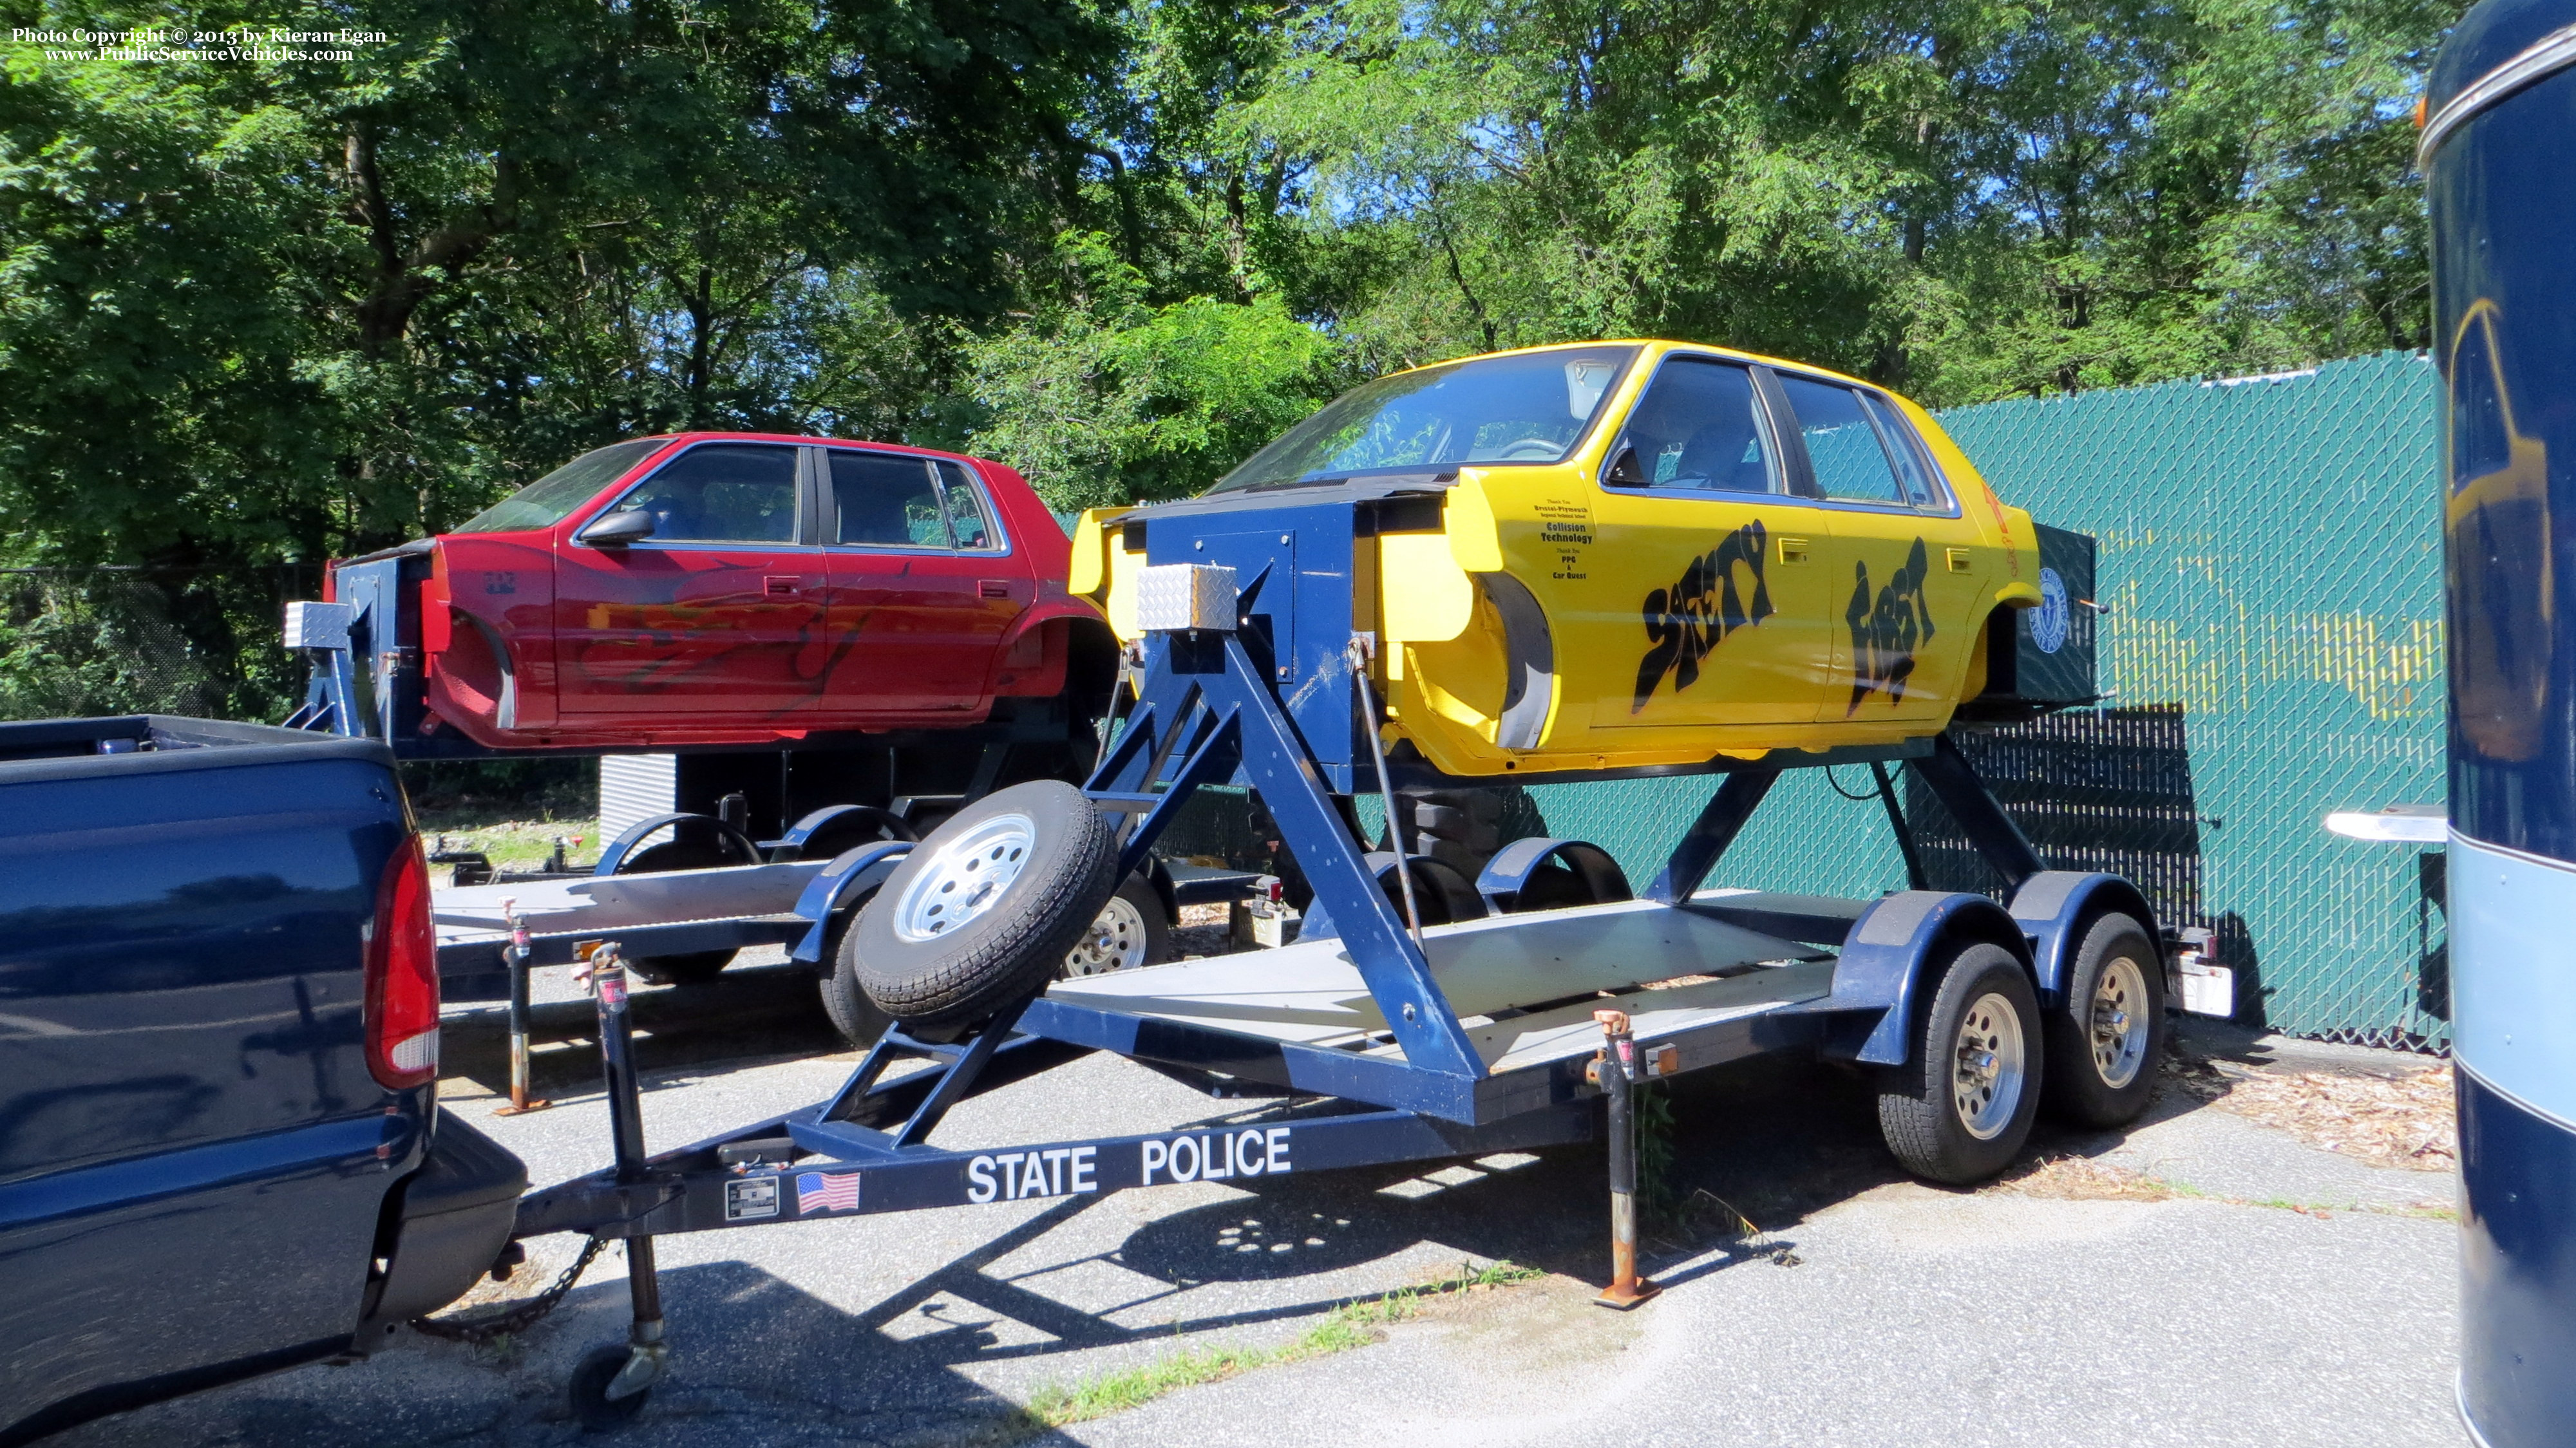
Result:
[
  {"x": 1526, "y": 407},
  {"x": 884, "y": 500},
  {"x": 551, "y": 499},
  {"x": 1696, "y": 428},
  {"x": 1913, "y": 467},
  {"x": 968, "y": 518},
  {"x": 1849, "y": 459},
  {"x": 722, "y": 493}
]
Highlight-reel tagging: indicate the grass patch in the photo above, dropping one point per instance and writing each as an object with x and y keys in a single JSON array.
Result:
[
  {"x": 1351, "y": 1325},
  {"x": 507, "y": 837}
]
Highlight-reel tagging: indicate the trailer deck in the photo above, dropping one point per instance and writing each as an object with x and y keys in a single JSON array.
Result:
[{"x": 1526, "y": 989}]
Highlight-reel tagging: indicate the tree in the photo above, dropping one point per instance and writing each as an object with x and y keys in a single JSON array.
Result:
[
  {"x": 1111, "y": 400},
  {"x": 262, "y": 311}
]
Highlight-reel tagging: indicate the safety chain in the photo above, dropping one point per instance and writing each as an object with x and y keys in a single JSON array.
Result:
[{"x": 516, "y": 1319}]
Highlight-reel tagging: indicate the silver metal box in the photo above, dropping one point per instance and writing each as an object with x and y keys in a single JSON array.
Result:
[
  {"x": 317, "y": 625},
  {"x": 1172, "y": 596}
]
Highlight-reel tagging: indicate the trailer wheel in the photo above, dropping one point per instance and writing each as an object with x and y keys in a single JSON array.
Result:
[
  {"x": 980, "y": 916},
  {"x": 1961, "y": 1109},
  {"x": 844, "y": 1003},
  {"x": 697, "y": 967},
  {"x": 598, "y": 1412},
  {"x": 2104, "y": 1045},
  {"x": 1131, "y": 930}
]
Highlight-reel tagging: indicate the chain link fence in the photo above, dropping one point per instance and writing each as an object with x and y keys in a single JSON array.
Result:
[{"x": 132, "y": 640}]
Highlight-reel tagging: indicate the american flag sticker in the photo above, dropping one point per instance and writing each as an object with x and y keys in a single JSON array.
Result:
[{"x": 827, "y": 1191}]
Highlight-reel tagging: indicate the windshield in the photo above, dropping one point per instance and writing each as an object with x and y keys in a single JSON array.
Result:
[
  {"x": 1528, "y": 408},
  {"x": 551, "y": 499}
]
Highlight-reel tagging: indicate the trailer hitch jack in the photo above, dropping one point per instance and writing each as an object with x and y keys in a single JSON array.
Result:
[
  {"x": 613, "y": 1380},
  {"x": 516, "y": 953},
  {"x": 1617, "y": 1068}
]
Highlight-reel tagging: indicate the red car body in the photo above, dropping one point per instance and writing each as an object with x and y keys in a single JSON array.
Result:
[{"x": 844, "y": 613}]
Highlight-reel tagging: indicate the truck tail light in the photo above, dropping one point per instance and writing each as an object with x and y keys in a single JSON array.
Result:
[{"x": 402, "y": 976}]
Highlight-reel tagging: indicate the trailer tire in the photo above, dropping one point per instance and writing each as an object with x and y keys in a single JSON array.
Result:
[
  {"x": 2105, "y": 1044},
  {"x": 697, "y": 967},
  {"x": 591, "y": 1406},
  {"x": 1130, "y": 930},
  {"x": 845, "y": 1004},
  {"x": 980, "y": 916},
  {"x": 1961, "y": 1109}
]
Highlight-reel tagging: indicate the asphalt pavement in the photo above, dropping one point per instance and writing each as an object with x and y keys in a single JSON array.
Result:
[{"x": 2282, "y": 1295}]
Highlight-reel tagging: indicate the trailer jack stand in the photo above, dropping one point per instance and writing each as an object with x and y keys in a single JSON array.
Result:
[
  {"x": 1617, "y": 1070},
  {"x": 613, "y": 1380},
  {"x": 517, "y": 953}
]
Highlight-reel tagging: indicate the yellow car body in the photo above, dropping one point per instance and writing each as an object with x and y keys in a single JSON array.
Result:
[{"x": 1676, "y": 619}]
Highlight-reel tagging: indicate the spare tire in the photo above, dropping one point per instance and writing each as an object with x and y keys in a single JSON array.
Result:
[{"x": 978, "y": 918}]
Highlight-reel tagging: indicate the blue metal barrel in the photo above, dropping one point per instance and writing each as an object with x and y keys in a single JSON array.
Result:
[{"x": 2499, "y": 149}]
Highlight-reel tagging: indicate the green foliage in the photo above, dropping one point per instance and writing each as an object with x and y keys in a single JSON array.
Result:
[
  {"x": 261, "y": 313},
  {"x": 257, "y": 311},
  {"x": 1111, "y": 400},
  {"x": 96, "y": 644}
]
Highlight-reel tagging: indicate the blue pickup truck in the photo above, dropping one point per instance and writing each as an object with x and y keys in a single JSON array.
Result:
[{"x": 220, "y": 1148}]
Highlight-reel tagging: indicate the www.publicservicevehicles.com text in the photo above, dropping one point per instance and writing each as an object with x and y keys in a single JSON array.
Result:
[{"x": 272, "y": 44}]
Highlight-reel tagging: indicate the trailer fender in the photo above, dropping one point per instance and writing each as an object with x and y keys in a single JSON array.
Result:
[
  {"x": 1158, "y": 875},
  {"x": 791, "y": 845},
  {"x": 853, "y": 875},
  {"x": 2055, "y": 907},
  {"x": 618, "y": 849},
  {"x": 1513, "y": 867},
  {"x": 1882, "y": 962}
]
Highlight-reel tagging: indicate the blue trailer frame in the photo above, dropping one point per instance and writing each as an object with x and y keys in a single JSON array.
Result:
[{"x": 1282, "y": 704}]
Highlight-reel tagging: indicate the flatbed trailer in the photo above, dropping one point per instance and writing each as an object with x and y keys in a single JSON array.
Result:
[{"x": 1374, "y": 1039}]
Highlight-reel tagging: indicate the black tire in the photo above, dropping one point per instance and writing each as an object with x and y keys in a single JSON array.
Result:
[
  {"x": 697, "y": 967},
  {"x": 1461, "y": 828},
  {"x": 1923, "y": 1106},
  {"x": 591, "y": 1405},
  {"x": 2105, "y": 1044},
  {"x": 1139, "y": 930},
  {"x": 1010, "y": 939},
  {"x": 1442, "y": 894},
  {"x": 844, "y": 1003}
]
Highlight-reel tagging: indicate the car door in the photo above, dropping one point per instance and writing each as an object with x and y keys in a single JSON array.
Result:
[
  {"x": 718, "y": 613},
  {"x": 1907, "y": 568},
  {"x": 1718, "y": 596},
  {"x": 921, "y": 586}
]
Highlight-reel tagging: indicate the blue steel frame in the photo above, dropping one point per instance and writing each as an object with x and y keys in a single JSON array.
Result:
[
  {"x": 1273, "y": 704},
  {"x": 832, "y": 1159}
]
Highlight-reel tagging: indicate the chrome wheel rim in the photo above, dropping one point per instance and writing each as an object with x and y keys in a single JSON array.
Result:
[
  {"x": 2119, "y": 1022},
  {"x": 1986, "y": 1066},
  {"x": 1115, "y": 941},
  {"x": 966, "y": 878}
]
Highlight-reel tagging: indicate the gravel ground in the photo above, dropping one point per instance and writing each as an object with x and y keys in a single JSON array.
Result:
[{"x": 2201, "y": 1278}]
